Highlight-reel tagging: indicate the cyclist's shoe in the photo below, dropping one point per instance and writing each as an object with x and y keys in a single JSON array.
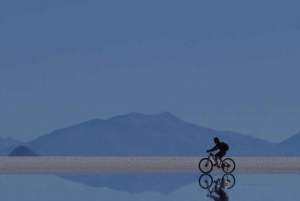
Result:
[
  {"x": 223, "y": 165},
  {"x": 216, "y": 164}
]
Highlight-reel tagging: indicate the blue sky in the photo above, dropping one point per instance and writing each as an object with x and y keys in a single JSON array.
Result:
[{"x": 227, "y": 65}]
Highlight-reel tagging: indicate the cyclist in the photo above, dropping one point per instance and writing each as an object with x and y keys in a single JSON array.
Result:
[{"x": 221, "y": 153}]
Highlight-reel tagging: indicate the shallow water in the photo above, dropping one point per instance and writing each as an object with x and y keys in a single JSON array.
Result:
[{"x": 166, "y": 187}]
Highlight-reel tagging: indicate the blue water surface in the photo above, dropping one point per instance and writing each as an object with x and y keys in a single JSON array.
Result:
[{"x": 170, "y": 187}]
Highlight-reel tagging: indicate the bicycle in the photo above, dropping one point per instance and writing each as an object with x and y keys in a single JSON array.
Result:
[
  {"x": 206, "y": 165},
  {"x": 226, "y": 182}
]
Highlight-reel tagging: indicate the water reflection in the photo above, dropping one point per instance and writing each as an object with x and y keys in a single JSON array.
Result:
[
  {"x": 149, "y": 187},
  {"x": 217, "y": 192},
  {"x": 135, "y": 183}
]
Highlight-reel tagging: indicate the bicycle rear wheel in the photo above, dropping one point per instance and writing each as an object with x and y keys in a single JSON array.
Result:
[
  {"x": 205, "y": 181},
  {"x": 228, "y": 165},
  {"x": 205, "y": 165},
  {"x": 230, "y": 179}
]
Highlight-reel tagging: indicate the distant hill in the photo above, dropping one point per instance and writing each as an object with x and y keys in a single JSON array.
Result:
[
  {"x": 138, "y": 134},
  {"x": 292, "y": 143},
  {"x": 8, "y": 142},
  {"x": 22, "y": 151}
]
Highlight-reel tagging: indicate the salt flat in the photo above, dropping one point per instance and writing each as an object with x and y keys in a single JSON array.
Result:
[{"x": 114, "y": 165}]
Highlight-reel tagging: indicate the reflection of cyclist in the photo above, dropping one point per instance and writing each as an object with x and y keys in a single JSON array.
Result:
[
  {"x": 221, "y": 193},
  {"x": 221, "y": 153}
]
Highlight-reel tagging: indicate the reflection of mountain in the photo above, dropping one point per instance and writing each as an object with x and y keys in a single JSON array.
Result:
[
  {"x": 48, "y": 187},
  {"x": 261, "y": 187},
  {"x": 145, "y": 135},
  {"x": 136, "y": 183}
]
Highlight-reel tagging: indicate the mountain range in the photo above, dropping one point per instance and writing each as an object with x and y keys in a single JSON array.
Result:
[
  {"x": 138, "y": 134},
  {"x": 143, "y": 135}
]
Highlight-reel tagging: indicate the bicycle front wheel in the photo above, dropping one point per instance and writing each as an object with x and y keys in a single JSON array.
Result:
[
  {"x": 228, "y": 165},
  {"x": 205, "y": 165},
  {"x": 205, "y": 181}
]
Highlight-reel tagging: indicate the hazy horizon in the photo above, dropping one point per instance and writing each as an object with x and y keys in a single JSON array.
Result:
[{"x": 222, "y": 65}]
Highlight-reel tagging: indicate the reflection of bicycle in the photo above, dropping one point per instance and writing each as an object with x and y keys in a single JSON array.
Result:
[
  {"x": 226, "y": 182},
  {"x": 206, "y": 165}
]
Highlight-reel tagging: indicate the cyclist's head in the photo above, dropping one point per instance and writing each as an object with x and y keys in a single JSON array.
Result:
[{"x": 216, "y": 140}]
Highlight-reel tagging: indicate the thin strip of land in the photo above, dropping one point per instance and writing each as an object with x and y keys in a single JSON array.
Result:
[{"x": 136, "y": 165}]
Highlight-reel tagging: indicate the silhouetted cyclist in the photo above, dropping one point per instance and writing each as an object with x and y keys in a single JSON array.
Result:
[{"x": 223, "y": 150}]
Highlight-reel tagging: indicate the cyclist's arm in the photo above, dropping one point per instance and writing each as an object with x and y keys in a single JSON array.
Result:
[{"x": 214, "y": 149}]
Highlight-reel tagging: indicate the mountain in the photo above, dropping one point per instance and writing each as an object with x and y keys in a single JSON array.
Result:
[
  {"x": 138, "y": 134},
  {"x": 22, "y": 151},
  {"x": 8, "y": 142},
  {"x": 292, "y": 143}
]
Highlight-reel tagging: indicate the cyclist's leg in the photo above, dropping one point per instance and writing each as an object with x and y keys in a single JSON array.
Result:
[
  {"x": 221, "y": 155},
  {"x": 217, "y": 155}
]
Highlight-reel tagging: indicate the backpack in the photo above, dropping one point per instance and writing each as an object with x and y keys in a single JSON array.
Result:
[{"x": 224, "y": 146}]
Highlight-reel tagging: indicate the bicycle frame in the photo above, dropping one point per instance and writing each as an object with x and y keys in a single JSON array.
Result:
[
  {"x": 217, "y": 182},
  {"x": 215, "y": 158},
  {"x": 208, "y": 187}
]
